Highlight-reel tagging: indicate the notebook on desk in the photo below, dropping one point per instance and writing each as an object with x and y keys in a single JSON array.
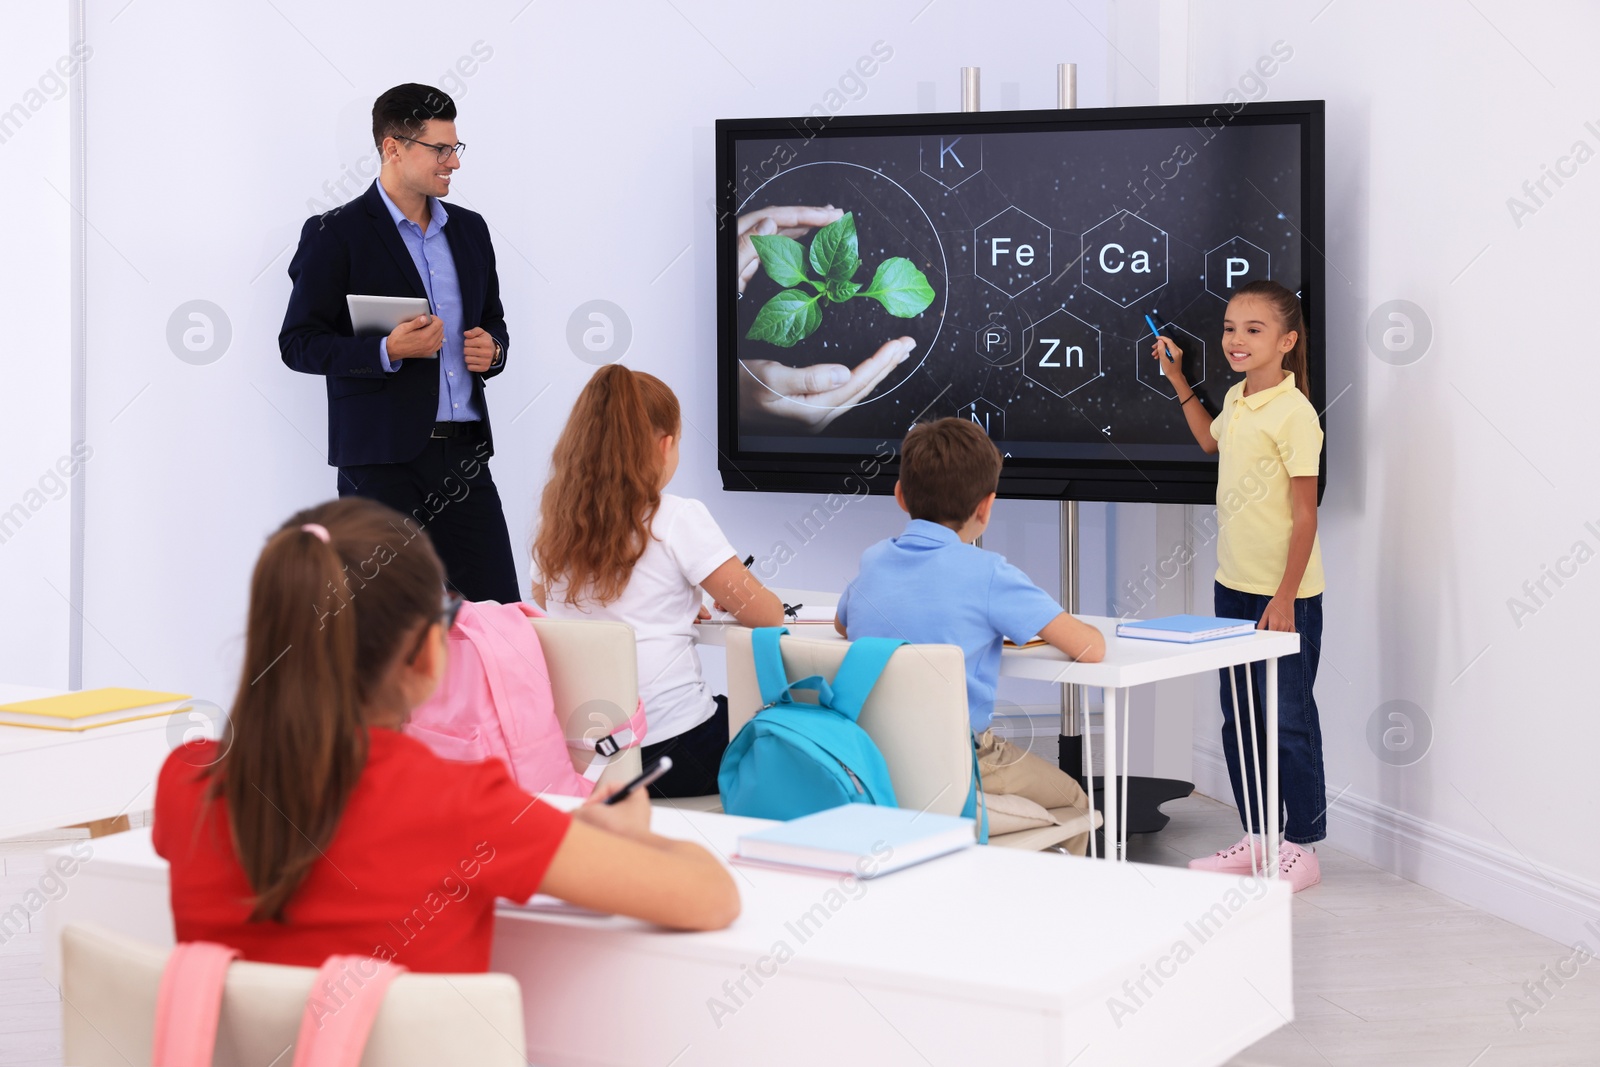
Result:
[
  {"x": 89, "y": 708},
  {"x": 803, "y": 613},
  {"x": 1185, "y": 629},
  {"x": 862, "y": 839},
  {"x": 545, "y": 904},
  {"x": 793, "y": 614}
]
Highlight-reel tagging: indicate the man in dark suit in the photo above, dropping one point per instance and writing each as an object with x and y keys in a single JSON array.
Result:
[{"x": 408, "y": 422}]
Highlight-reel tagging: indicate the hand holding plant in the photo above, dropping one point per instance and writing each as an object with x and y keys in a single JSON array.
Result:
[
  {"x": 815, "y": 396},
  {"x": 794, "y": 314},
  {"x": 787, "y": 220}
]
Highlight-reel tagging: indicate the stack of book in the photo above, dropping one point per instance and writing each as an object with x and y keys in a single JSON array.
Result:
[{"x": 90, "y": 708}]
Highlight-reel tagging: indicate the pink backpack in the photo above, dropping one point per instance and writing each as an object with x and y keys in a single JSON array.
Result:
[
  {"x": 189, "y": 1003},
  {"x": 496, "y": 702}
]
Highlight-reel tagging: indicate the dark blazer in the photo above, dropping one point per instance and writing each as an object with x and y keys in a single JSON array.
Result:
[{"x": 375, "y": 417}]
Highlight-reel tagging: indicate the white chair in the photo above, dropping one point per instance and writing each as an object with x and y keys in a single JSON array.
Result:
[
  {"x": 917, "y": 716},
  {"x": 108, "y": 995},
  {"x": 595, "y": 678}
]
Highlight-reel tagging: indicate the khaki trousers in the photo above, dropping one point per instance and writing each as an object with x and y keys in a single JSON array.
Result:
[{"x": 1008, "y": 769}]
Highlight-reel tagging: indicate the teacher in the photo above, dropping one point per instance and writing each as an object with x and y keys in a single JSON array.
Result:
[{"x": 408, "y": 422}]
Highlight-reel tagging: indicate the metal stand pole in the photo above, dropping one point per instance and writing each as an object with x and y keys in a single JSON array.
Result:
[
  {"x": 1066, "y": 85},
  {"x": 1070, "y": 753},
  {"x": 1142, "y": 797},
  {"x": 1069, "y": 756}
]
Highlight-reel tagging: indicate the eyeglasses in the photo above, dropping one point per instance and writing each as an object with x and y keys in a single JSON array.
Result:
[
  {"x": 443, "y": 151},
  {"x": 449, "y": 608}
]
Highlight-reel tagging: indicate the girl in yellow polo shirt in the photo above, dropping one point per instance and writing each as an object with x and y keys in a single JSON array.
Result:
[{"x": 1269, "y": 564}]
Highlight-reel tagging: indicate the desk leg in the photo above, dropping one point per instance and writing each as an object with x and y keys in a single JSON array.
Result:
[
  {"x": 1113, "y": 699},
  {"x": 1088, "y": 767},
  {"x": 1272, "y": 768},
  {"x": 1125, "y": 810}
]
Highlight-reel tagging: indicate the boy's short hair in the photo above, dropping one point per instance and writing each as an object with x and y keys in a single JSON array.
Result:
[{"x": 947, "y": 467}]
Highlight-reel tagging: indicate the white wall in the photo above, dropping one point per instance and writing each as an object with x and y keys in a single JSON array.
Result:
[
  {"x": 35, "y": 361},
  {"x": 1453, "y": 480},
  {"x": 591, "y": 157}
]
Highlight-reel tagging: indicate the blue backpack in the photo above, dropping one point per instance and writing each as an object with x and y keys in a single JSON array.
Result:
[{"x": 794, "y": 758}]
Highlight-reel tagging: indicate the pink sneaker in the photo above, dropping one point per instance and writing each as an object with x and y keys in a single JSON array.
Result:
[
  {"x": 1235, "y": 859},
  {"x": 1298, "y": 866}
]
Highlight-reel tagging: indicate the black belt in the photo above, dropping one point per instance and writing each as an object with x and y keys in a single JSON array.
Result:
[{"x": 456, "y": 429}]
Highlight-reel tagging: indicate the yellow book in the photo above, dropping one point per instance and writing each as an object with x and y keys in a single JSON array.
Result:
[{"x": 89, "y": 708}]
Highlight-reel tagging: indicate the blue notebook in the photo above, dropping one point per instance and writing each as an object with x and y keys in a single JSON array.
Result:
[
  {"x": 1185, "y": 629},
  {"x": 863, "y": 839}
]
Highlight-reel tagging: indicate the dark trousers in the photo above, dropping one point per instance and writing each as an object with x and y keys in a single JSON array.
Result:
[
  {"x": 449, "y": 492},
  {"x": 1301, "y": 787},
  {"x": 696, "y": 757}
]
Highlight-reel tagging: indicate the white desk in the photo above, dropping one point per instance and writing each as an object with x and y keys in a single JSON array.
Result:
[
  {"x": 1127, "y": 663},
  {"x": 51, "y": 778},
  {"x": 968, "y": 959}
]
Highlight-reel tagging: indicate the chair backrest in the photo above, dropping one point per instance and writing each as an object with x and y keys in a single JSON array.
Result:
[
  {"x": 109, "y": 986},
  {"x": 916, "y": 715},
  {"x": 594, "y": 676}
]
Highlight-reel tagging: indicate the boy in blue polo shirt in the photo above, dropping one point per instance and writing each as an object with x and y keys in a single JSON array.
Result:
[{"x": 931, "y": 585}]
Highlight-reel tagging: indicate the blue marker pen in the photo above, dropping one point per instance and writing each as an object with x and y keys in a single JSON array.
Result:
[{"x": 1156, "y": 331}]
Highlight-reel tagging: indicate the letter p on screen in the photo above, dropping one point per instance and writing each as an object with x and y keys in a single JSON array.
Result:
[{"x": 1236, "y": 267}]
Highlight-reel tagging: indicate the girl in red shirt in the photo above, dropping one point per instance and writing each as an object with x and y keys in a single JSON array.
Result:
[{"x": 315, "y": 827}]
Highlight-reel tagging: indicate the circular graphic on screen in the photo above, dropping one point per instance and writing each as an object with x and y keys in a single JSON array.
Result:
[{"x": 805, "y": 307}]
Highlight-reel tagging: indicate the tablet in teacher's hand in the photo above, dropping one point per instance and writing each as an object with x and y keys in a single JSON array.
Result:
[{"x": 373, "y": 316}]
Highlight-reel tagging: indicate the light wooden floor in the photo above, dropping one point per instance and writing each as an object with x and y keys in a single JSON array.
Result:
[{"x": 1386, "y": 973}]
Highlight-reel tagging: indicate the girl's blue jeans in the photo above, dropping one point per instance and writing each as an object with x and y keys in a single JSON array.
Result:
[{"x": 1301, "y": 787}]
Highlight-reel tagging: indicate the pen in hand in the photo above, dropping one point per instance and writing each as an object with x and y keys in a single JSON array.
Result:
[
  {"x": 1156, "y": 331},
  {"x": 649, "y": 775}
]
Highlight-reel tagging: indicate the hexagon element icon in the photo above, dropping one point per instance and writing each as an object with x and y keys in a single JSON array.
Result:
[
  {"x": 1149, "y": 371},
  {"x": 993, "y": 342},
  {"x": 951, "y": 158},
  {"x": 1061, "y": 352},
  {"x": 1233, "y": 263},
  {"x": 1012, "y": 251},
  {"x": 990, "y": 417},
  {"x": 1124, "y": 258}
]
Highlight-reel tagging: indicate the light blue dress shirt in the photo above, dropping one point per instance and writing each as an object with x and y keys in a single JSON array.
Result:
[
  {"x": 431, "y": 254},
  {"x": 928, "y": 587}
]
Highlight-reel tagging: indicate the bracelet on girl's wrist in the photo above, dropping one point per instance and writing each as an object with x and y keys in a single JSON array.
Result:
[{"x": 1188, "y": 398}]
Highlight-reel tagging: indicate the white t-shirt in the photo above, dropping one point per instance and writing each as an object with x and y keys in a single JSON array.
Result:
[{"x": 660, "y": 602}]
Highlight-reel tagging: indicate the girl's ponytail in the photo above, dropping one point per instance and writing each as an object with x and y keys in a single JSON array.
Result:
[
  {"x": 1292, "y": 316},
  {"x": 604, "y": 485},
  {"x": 335, "y": 593}
]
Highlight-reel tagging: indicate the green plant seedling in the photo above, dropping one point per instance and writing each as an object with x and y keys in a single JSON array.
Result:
[{"x": 834, "y": 258}]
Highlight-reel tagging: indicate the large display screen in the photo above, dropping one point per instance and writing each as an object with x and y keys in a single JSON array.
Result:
[{"x": 877, "y": 272}]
